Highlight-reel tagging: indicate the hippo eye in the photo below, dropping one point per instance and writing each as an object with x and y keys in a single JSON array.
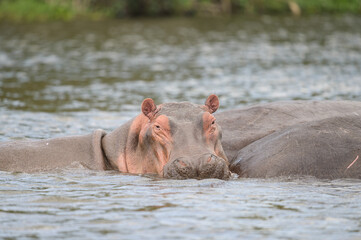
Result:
[
  {"x": 213, "y": 122},
  {"x": 157, "y": 127}
]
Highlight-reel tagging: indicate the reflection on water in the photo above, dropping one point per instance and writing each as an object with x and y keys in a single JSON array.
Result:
[
  {"x": 61, "y": 79},
  {"x": 112, "y": 66}
]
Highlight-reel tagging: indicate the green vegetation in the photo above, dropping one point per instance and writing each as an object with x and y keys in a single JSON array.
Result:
[
  {"x": 34, "y": 10},
  {"x": 43, "y": 10},
  {"x": 305, "y": 6}
]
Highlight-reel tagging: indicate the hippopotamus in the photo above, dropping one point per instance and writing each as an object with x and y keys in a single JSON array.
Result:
[
  {"x": 316, "y": 138},
  {"x": 174, "y": 140},
  {"x": 184, "y": 140}
]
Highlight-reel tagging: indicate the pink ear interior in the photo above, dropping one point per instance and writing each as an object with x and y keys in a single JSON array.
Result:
[
  {"x": 212, "y": 103},
  {"x": 148, "y": 107}
]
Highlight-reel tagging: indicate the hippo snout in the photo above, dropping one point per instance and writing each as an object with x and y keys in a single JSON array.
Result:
[{"x": 199, "y": 167}]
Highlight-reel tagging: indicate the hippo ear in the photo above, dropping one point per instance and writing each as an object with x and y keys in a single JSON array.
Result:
[
  {"x": 212, "y": 103},
  {"x": 148, "y": 107}
]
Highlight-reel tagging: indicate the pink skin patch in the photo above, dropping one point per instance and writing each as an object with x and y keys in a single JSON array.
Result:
[
  {"x": 209, "y": 127},
  {"x": 182, "y": 163},
  {"x": 352, "y": 163}
]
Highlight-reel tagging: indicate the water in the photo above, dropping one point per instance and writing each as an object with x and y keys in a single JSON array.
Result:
[
  {"x": 93, "y": 205},
  {"x": 60, "y": 79}
]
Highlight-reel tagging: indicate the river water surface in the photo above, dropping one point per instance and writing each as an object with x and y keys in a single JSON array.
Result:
[{"x": 59, "y": 79}]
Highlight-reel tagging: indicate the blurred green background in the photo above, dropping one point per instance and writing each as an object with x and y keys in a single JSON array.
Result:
[{"x": 45, "y": 10}]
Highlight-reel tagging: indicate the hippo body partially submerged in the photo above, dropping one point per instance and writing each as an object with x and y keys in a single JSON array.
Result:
[
  {"x": 57, "y": 153},
  {"x": 183, "y": 140},
  {"x": 317, "y": 138},
  {"x": 175, "y": 140}
]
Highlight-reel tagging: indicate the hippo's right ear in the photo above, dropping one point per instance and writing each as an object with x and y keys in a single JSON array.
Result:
[
  {"x": 148, "y": 108},
  {"x": 212, "y": 103}
]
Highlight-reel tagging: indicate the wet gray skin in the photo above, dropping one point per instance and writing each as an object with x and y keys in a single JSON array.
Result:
[{"x": 191, "y": 156}]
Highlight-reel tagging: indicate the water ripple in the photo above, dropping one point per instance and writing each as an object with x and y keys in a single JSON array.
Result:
[{"x": 60, "y": 79}]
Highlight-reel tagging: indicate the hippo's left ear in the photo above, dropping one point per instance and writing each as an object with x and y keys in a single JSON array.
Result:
[
  {"x": 148, "y": 108},
  {"x": 212, "y": 103}
]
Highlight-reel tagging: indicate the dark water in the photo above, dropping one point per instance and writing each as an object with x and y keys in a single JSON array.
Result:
[{"x": 60, "y": 79}]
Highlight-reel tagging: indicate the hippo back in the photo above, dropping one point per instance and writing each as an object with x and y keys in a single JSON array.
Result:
[
  {"x": 327, "y": 148},
  {"x": 241, "y": 127},
  {"x": 44, "y": 155}
]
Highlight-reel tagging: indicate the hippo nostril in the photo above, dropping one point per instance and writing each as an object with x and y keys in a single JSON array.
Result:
[
  {"x": 213, "y": 167},
  {"x": 180, "y": 168},
  {"x": 212, "y": 157},
  {"x": 204, "y": 166},
  {"x": 183, "y": 164}
]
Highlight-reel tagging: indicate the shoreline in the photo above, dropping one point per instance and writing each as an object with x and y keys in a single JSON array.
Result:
[{"x": 24, "y": 11}]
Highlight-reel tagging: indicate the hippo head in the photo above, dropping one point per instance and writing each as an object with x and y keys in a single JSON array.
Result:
[{"x": 175, "y": 140}]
